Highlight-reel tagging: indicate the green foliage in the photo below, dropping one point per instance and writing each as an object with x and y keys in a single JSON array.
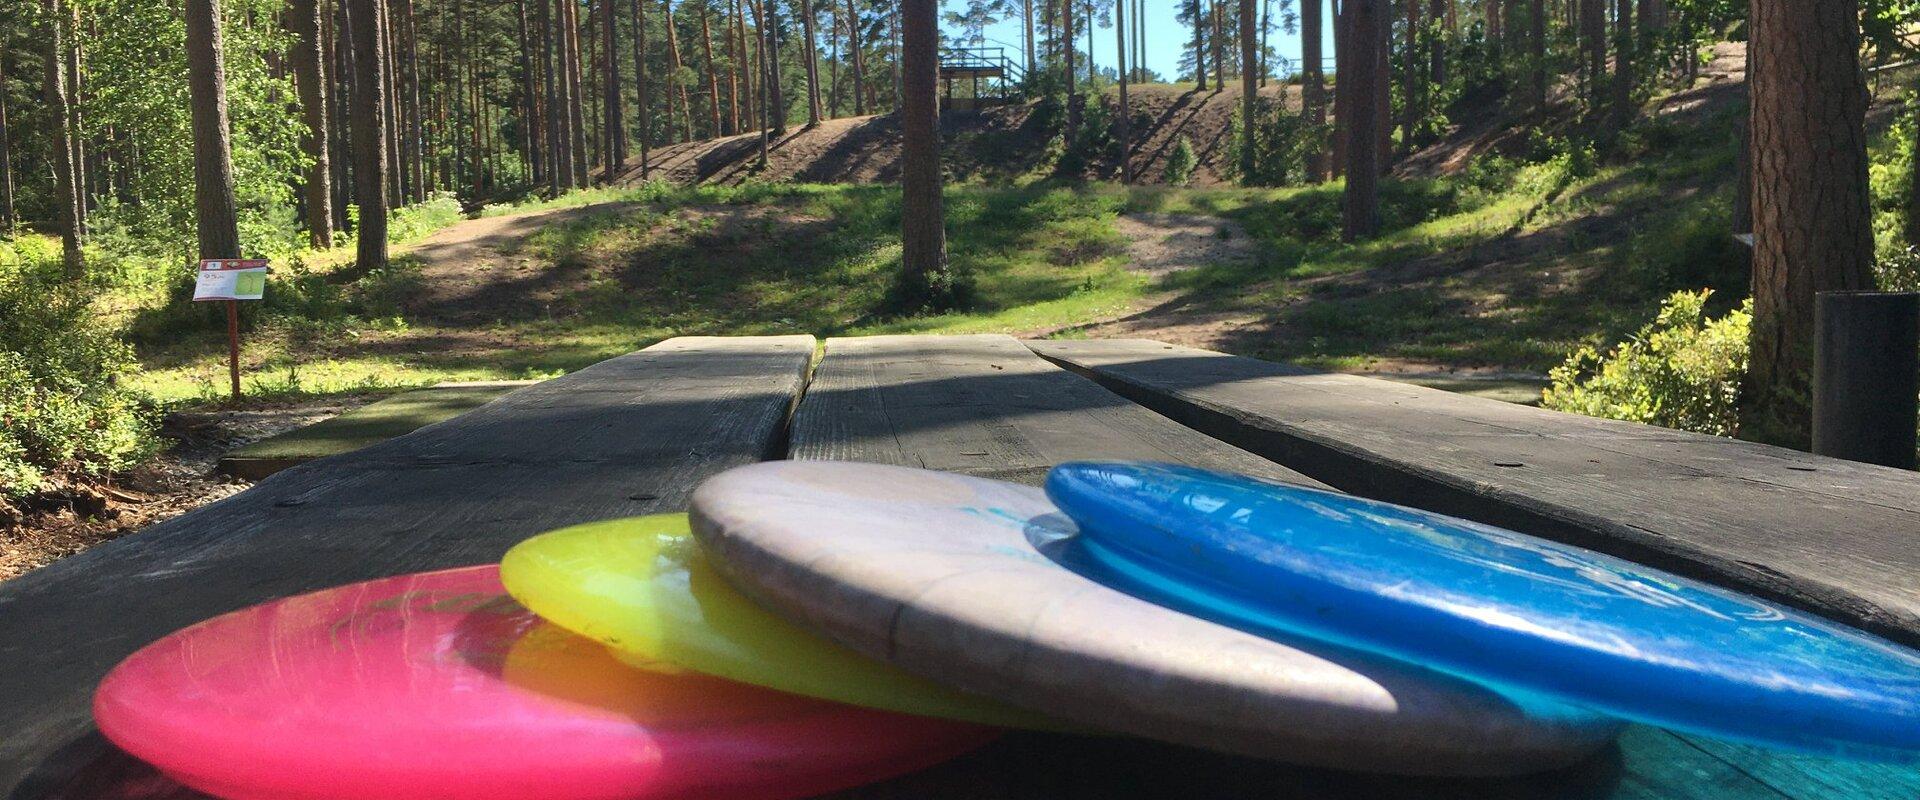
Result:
[
  {"x": 64, "y": 408},
  {"x": 1181, "y": 163},
  {"x": 1680, "y": 371},
  {"x": 137, "y": 88},
  {"x": 1282, "y": 142},
  {"x": 420, "y": 219}
]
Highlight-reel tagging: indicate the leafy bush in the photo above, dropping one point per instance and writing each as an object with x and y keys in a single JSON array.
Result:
[
  {"x": 1181, "y": 163},
  {"x": 412, "y": 222},
  {"x": 64, "y": 409},
  {"x": 1282, "y": 143},
  {"x": 1680, "y": 371}
]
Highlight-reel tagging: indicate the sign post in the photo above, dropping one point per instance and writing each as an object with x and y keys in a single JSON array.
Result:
[{"x": 231, "y": 280}]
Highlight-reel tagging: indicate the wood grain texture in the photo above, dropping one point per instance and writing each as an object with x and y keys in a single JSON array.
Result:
[
  {"x": 984, "y": 405},
  {"x": 631, "y": 435},
  {"x": 1836, "y": 538}
]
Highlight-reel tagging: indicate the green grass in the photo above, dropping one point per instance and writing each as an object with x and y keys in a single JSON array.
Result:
[{"x": 1508, "y": 266}]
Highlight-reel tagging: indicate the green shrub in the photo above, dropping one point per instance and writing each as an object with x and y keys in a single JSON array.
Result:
[
  {"x": 64, "y": 408},
  {"x": 1181, "y": 163},
  {"x": 420, "y": 219},
  {"x": 1680, "y": 371}
]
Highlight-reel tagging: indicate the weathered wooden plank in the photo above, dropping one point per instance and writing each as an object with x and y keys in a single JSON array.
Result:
[
  {"x": 968, "y": 405},
  {"x": 631, "y": 435},
  {"x": 1833, "y": 537},
  {"x": 983, "y": 405}
]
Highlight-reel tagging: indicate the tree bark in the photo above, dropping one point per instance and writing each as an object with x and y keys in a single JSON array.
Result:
[
  {"x": 810, "y": 55},
  {"x": 1593, "y": 40},
  {"x": 713, "y": 70},
  {"x": 1026, "y": 13},
  {"x": 78, "y": 141},
  {"x": 1199, "y": 45},
  {"x": 576, "y": 92},
  {"x": 369, "y": 135},
  {"x": 1623, "y": 47},
  {"x": 309, "y": 79},
  {"x": 859, "y": 65},
  {"x": 1538, "y": 40},
  {"x": 1249, "y": 83},
  {"x": 1066, "y": 38},
  {"x": 1412, "y": 94},
  {"x": 925, "y": 281},
  {"x": 1342, "y": 89},
  {"x": 678, "y": 87},
  {"x": 1366, "y": 28},
  {"x": 1219, "y": 47},
  {"x": 736, "y": 56},
  {"x": 7, "y": 213},
  {"x": 615, "y": 113},
  {"x": 66, "y": 201},
  {"x": 778, "y": 108},
  {"x": 212, "y": 141},
  {"x": 556, "y": 156},
  {"x": 1811, "y": 222},
  {"x": 1125, "y": 121},
  {"x": 1313, "y": 85},
  {"x": 640, "y": 88}
]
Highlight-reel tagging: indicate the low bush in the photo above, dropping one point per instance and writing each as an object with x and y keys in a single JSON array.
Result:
[
  {"x": 1181, "y": 163},
  {"x": 1680, "y": 371},
  {"x": 65, "y": 411}
]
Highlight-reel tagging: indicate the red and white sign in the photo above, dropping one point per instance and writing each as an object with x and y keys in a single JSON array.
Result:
[{"x": 231, "y": 279}]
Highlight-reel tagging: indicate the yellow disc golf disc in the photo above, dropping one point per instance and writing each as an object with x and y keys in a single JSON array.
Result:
[{"x": 641, "y": 587}]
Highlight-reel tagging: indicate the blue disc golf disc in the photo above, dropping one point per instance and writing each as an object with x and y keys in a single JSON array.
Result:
[{"x": 1492, "y": 605}]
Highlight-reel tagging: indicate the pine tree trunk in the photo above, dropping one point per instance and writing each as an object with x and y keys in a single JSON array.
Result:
[
  {"x": 735, "y": 58},
  {"x": 1313, "y": 85},
  {"x": 1124, "y": 122},
  {"x": 1199, "y": 45},
  {"x": 1026, "y": 15},
  {"x": 925, "y": 282},
  {"x": 1073, "y": 87},
  {"x": 7, "y": 214},
  {"x": 310, "y": 80},
  {"x": 576, "y": 95},
  {"x": 1436, "y": 48},
  {"x": 65, "y": 201},
  {"x": 1366, "y": 29},
  {"x": 1219, "y": 48},
  {"x": 529, "y": 98},
  {"x": 1539, "y": 56},
  {"x": 640, "y": 88},
  {"x": 369, "y": 134},
  {"x": 1623, "y": 64},
  {"x": 1411, "y": 92},
  {"x": 556, "y": 128},
  {"x": 1811, "y": 222},
  {"x": 811, "y": 56},
  {"x": 777, "y": 109},
  {"x": 679, "y": 89},
  {"x": 413, "y": 131},
  {"x": 1593, "y": 38},
  {"x": 859, "y": 67},
  {"x": 1383, "y": 90},
  {"x": 75, "y": 123},
  {"x": 1342, "y": 89},
  {"x": 615, "y": 113},
  {"x": 760, "y": 40},
  {"x": 396, "y": 166},
  {"x": 212, "y": 144},
  {"x": 1249, "y": 83},
  {"x": 713, "y": 71}
]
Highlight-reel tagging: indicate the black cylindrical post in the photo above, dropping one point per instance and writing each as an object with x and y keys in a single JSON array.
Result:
[{"x": 1866, "y": 376}]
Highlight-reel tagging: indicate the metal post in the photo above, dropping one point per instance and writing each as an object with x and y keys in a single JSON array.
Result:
[
  {"x": 1866, "y": 376},
  {"x": 233, "y": 346}
]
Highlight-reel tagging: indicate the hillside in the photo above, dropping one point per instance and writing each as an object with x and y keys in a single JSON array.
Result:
[{"x": 1000, "y": 143}]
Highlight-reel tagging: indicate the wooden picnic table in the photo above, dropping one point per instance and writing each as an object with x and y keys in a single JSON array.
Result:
[{"x": 635, "y": 434}]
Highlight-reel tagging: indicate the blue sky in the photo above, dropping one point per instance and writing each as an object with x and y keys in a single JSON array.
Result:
[{"x": 1165, "y": 37}]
